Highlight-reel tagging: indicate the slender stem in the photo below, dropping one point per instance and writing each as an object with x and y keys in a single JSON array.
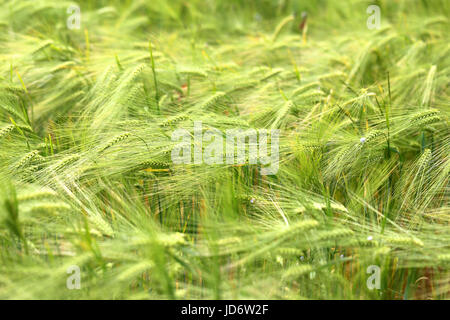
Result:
[{"x": 154, "y": 78}]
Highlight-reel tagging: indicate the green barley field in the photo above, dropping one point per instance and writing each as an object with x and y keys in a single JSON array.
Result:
[{"x": 93, "y": 205}]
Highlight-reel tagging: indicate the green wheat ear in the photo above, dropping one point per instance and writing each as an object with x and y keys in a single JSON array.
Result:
[
  {"x": 36, "y": 195},
  {"x": 280, "y": 27},
  {"x": 424, "y": 160},
  {"x": 444, "y": 257},
  {"x": 46, "y": 206},
  {"x": 297, "y": 271},
  {"x": 193, "y": 72},
  {"x": 305, "y": 88},
  {"x": 67, "y": 160},
  {"x": 213, "y": 100},
  {"x": 153, "y": 164},
  {"x": 17, "y": 90},
  {"x": 243, "y": 85},
  {"x": 282, "y": 113},
  {"x": 169, "y": 240},
  {"x": 115, "y": 141},
  {"x": 173, "y": 120},
  {"x": 272, "y": 73},
  {"x": 45, "y": 44},
  {"x": 426, "y": 117},
  {"x": 288, "y": 251},
  {"x": 26, "y": 159},
  {"x": 5, "y": 131},
  {"x": 404, "y": 241},
  {"x": 371, "y": 137},
  {"x": 101, "y": 224}
]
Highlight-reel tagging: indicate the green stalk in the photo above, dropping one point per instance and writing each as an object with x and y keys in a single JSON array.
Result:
[{"x": 154, "y": 77}]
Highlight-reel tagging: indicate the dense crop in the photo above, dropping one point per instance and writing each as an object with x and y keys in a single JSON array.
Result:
[{"x": 87, "y": 178}]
